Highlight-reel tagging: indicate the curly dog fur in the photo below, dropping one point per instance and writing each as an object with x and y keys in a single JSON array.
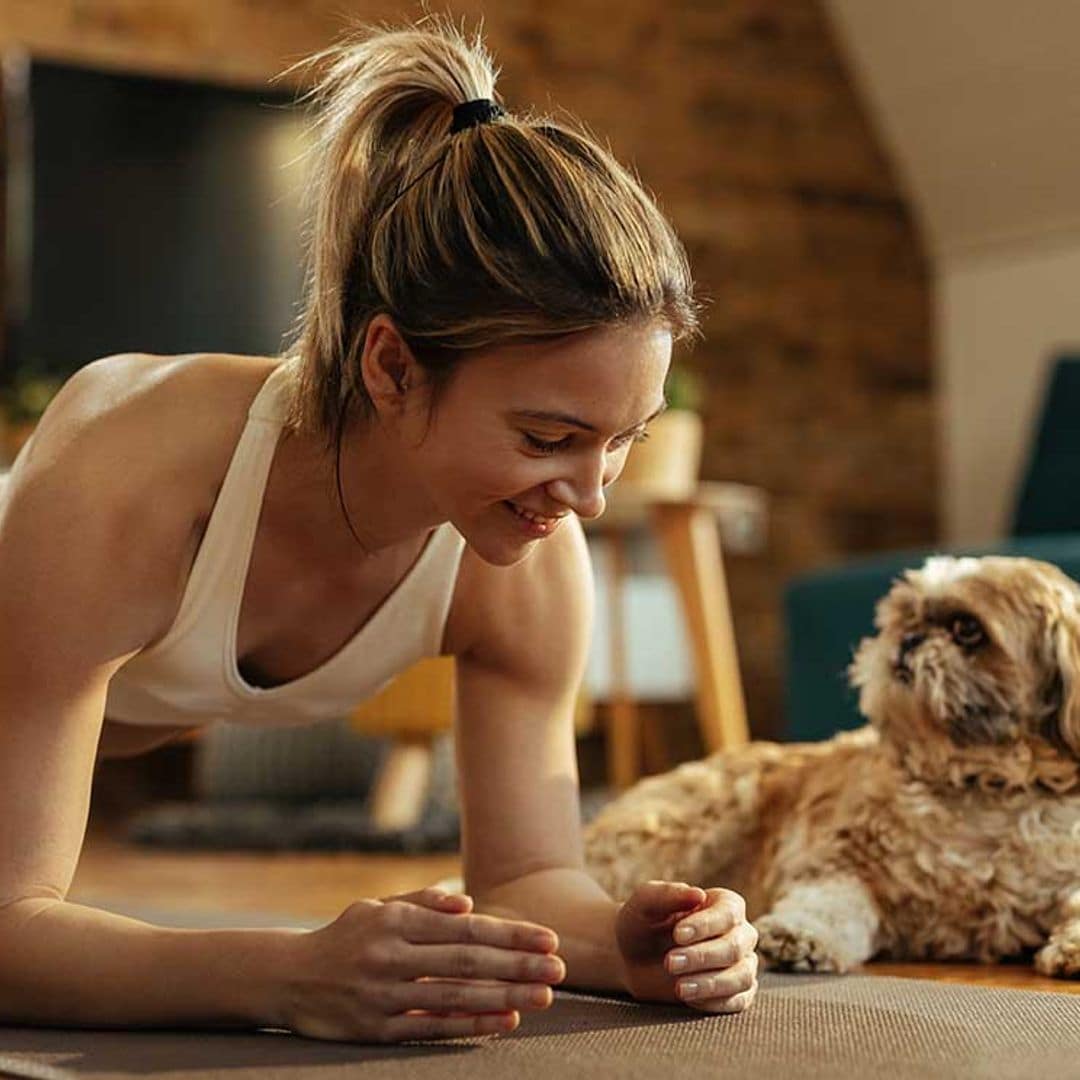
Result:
[{"x": 946, "y": 828}]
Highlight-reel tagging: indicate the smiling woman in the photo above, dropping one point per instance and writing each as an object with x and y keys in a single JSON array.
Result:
[{"x": 270, "y": 540}]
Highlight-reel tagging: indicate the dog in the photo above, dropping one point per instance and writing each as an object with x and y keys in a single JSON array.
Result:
[{"x": 946, "y": 828}]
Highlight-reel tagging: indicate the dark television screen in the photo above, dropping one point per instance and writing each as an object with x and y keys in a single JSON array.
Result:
[{"x": 165, "y": 217}]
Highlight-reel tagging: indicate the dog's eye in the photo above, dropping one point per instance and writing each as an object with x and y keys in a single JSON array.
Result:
[{"x": 967, "y": 631}]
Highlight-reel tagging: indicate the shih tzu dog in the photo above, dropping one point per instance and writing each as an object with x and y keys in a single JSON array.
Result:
[{"x": 946, "y": 828}]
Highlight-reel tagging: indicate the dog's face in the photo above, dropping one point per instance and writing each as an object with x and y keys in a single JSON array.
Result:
[{"x": 976, "y": 669}]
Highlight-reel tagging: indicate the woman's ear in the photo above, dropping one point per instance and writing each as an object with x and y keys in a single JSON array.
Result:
[{"x": 387, "y": 365}]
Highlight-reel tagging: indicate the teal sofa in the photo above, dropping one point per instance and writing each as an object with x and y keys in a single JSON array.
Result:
[{"x": 827, "y": 612}]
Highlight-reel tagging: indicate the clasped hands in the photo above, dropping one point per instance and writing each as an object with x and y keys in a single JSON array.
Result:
[
  {"x": 713, "y": 968},
  {"x": 676, "y": 943},
  {"x": 680, "y": 943}
]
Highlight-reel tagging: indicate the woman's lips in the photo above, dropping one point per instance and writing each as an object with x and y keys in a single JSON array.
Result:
[{"x": 532, "y": 528}]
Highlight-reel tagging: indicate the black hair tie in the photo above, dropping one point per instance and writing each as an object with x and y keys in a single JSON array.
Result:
[{"x": 471, "y": 113}]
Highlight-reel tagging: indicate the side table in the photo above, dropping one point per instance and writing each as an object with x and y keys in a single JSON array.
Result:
[{"x": 688, "y": 531}]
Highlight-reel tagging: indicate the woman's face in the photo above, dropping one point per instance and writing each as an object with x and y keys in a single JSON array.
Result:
[{"x": 488, "y": 444}]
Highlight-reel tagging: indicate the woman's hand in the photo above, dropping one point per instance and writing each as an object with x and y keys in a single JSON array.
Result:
[
  {"x": 417, "y": 966},
  {"x": 719, "y": 974}
]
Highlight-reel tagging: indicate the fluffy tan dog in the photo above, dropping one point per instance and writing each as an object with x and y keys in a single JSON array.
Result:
[{"x": 947, "y": 828}]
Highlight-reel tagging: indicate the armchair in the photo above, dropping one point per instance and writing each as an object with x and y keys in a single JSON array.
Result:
[{"x": 828, "y": 611}]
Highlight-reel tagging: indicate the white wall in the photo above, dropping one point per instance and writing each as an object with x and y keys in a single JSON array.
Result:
[
  {"x": 658, "y": 660},
  {"x": 977, "y": 102},
  {"x": 1001, "y": 316}
]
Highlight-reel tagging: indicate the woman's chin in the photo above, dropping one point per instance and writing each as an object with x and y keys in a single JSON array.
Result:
[{"x": 502, "y": 543}]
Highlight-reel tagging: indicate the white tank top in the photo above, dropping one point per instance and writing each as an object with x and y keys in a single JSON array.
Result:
[{"x": 191, "y": 675}]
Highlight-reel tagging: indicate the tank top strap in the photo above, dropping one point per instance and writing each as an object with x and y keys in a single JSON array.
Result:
[
  {"x": 272, "y": 401},
  {"x": 220, "y": 565}
]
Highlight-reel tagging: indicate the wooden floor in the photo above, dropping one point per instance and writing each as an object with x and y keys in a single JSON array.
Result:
[{"x": 321, "y": 886}]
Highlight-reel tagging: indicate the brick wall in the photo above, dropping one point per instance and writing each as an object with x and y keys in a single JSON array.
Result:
[{"x": 740, "y": 116}]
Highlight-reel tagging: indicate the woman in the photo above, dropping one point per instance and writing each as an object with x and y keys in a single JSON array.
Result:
[{"x": 490, "y": 309}]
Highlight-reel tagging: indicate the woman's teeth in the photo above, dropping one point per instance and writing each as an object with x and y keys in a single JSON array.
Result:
[{"x": 531, "y": 516}]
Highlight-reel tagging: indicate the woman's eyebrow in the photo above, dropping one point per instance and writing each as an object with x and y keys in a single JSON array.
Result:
[{"x": 573, "y": 421}]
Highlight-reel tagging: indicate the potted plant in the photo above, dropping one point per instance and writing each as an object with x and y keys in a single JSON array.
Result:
[
  {"x": 21, "y": 406},
  {"x": 667, "y": 465}
]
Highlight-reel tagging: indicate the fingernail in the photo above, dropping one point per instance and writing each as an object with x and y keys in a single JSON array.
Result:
[
  {"x": 688, "y": 989},
  {"x": 684, "y": 934},
  {"x": 678, "y": 962}
]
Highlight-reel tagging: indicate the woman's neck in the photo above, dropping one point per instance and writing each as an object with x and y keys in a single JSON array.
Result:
[{"x": 377, "y": 494}]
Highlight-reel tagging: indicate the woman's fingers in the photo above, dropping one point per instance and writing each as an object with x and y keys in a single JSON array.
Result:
[
  {"x": 480, "y": 962},
  {"x": 449, "y": 996},
  {"x": 716, "y": 953},
  {"x": 735, "y": 1004},
  {"x": 657, "y": 901},
  {"x": 424, "y": 927},
  {"x": 715, "y": 987},
  {"x": 406, "y": 1026},
  {"x": 435, "y": 897},
  {"x": 725, "y": 910}
]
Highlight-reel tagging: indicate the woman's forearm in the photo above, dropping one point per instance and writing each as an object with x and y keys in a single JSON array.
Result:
[
  {"x": 65, "y": 964},
  {"x": 572, "y": 904}
]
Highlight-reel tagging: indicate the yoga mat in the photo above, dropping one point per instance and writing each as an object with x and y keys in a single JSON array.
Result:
[{"x": 805, "y": 1026}]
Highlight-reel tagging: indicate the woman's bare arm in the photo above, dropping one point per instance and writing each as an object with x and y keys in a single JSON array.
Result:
[
  {"x": 87, "y": 574},
  {"x": 517, "y": 683}
]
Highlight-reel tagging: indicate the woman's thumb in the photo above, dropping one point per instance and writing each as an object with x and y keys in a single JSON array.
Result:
[
  {"x": 437, "y": 899},
  {"x": 661, "y": 901}
]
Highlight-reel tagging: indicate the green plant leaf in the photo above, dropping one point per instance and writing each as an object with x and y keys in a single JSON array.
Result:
[{"x": 683, "y": 389}]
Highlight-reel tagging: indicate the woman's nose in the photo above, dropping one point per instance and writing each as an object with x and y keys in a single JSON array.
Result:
[{"x": 583, "y": 492}]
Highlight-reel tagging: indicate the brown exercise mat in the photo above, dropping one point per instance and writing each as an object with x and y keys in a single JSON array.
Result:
[
  {"x": 804, "y": 1026},
  {"x": 801, "y": 1026}
]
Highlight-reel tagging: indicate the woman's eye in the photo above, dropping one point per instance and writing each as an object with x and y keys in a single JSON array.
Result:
[
  {"x": 541, "y": 445},
  {"x": 550, "y": 447},
  {"x": 966, "y": 630}
]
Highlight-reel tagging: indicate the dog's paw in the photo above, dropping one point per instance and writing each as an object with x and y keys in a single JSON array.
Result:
[
  {"x": 785, "y": 945},
  {"x": 1059, "y": 958}
]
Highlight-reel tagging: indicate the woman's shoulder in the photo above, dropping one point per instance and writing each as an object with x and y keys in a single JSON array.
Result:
[
  {"x": 178, "y": 415},
  {"x": 129, "y": 448},
  {"x": 160, "y": 430},
  {"x": 165, "y": 387}
]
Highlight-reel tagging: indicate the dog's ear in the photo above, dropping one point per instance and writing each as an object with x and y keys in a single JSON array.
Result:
[{"x": 1065, "y": 633}]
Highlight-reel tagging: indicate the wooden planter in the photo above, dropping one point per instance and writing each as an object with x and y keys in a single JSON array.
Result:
[{"x": 668, "y": 464}]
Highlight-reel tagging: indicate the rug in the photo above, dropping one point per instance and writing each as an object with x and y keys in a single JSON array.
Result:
[
  {"x": 305, "y": 789},
  {"x": 297, "y": 789}
]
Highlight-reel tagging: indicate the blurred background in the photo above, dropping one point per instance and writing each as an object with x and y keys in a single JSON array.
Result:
[{"x": 879, "y": 201}]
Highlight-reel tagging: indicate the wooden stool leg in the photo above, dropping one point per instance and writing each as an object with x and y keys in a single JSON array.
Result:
[
  {"x": 655, "y": 754},
  {"x": 691, "y": 544},
  {"x": 623, "y": 733},
  {"x": 400, "y": 790}
]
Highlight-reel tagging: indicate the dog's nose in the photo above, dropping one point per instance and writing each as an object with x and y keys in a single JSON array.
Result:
[{"x": 909, "y": 642}]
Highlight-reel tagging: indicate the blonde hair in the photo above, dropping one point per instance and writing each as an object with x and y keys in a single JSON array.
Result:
[{"x": 519, "y": 229}]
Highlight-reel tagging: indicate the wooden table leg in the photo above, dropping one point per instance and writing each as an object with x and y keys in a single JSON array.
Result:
[
  {"x": 401, "y": 787},
  {"x": 691, "y": 543},
  {"x": 623, "y": 743}
]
